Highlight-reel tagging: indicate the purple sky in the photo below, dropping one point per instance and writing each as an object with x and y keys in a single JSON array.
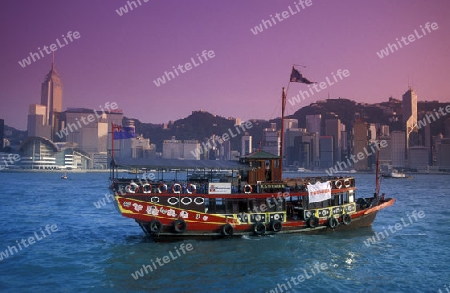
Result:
[{"x": 117, "y": 57}]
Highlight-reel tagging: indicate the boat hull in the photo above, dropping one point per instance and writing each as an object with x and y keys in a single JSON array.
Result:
[{"x": 198, "y": 225}]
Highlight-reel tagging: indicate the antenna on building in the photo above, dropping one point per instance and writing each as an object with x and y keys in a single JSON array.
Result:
[{"x": 53, "y": 60}]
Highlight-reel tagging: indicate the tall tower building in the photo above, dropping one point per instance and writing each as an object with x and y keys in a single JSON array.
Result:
[
  {"x": 51, "y": 97},
  {"x": 36, "y": 124},
  {"x": 333, "y": 127},
  {"x": 313, "y": 123},
  {"x": 410, "y": 117},
  {"x": 360, "y": 135},
  {"x": 246, "y": 144}
]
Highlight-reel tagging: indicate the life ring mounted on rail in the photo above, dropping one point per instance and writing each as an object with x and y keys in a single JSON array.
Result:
[
  {"x": 164, "y": 186},
  {"x": 338, "y": 184},
  {"x": 147, "y": 188},
  {"x": 176, "y": 188},
  {"x": 191, "y": 189},
  {"x": 347, "y": 183},
  {"x": 248, "y": 188},
  {"x": 132, "y": 188}
]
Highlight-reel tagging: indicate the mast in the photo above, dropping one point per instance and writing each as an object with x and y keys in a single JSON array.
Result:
[
  {"x": 377, "y": 182},
  {"x": 283, "y": 106}
]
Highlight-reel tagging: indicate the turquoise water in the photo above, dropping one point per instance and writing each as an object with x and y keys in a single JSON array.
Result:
[{"x": 95, "y": 249}]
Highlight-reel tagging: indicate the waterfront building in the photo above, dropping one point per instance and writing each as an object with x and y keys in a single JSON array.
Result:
[
  {"x": 398, "y": 143},
  {"x": 418, "y": 158},
  {"x": 326, "y": 151}
]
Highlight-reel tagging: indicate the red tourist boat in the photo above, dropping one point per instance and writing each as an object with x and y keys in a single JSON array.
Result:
[{"x": 236, "y": 198}]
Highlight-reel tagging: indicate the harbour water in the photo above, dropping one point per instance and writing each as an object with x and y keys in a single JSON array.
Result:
[{"x": 66, "y": 236}]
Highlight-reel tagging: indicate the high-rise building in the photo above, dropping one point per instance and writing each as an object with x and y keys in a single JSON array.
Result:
[
  {"x": 447, "y": 128},
  {"x": 418, "y": 158},
  {"x": 313, "y": 123},
  {"x": 398, "y": 149},
  {"x": 246, "y": 144},
  {"x": 290, "y": 152},
  {"x": 333, "y": 127},
  {"x": 360, "y": 140},
  {"x": 172, "y": 148},
  {"x": 51, "y": 97},
  {"x": 271, "y": 140},
  {"x": 443, "y": 153},
  {"x": 326, "y": 151},
  {"x": 36, "y": 123},
  {"x": 91, "y": 130},
  {"x": 290, "y": 123},
  {"x": 410, "y": 117}
]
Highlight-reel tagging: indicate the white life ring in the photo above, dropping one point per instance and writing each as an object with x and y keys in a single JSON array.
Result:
[
  {"x": 189, "y": 200},
  {"x": 338, "y": 184},
  {"x": 250, "y": 189},
  {"x": 196, "y": 200},
  {"x": 179, "y": 188},
  {"x": 194, "y": 189},
  {"x": 147, "y": 188},
  {"x": 172, "y": 203},
  {"x": 131, "y": 188},
  {"x": 347, "y": 183},
  {"x": 162, "y": 185}
]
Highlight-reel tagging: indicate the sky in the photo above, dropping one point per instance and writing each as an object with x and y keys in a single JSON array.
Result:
[{"x": 117, "y": 58}]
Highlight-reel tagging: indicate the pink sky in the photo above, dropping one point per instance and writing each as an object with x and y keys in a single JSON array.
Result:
[{"x": 117, "y": 57}]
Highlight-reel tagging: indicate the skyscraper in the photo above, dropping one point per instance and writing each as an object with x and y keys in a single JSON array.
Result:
[
  {"x": 51, "y": 97},
  {"x": 313, "y": 123},
  {"x": 36, "y": 124},
  {"x": 333, "y": 127},
  {"x": 246, "y": 144},
  {"x": 410, "y": 117},
  {"x": 360, "y": 140},
  {"x": 398, "y": 149}
]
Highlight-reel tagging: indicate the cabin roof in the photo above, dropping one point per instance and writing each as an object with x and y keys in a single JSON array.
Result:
[{"x": 159, "y": 163}]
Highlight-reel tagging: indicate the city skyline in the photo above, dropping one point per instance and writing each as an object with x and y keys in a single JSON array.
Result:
[{"x": 226, "y": 68}]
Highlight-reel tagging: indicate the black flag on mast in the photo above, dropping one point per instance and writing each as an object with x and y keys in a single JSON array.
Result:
[{"x": 296, "y": 76}]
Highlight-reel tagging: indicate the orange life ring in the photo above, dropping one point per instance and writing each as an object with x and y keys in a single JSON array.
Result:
[
  {"x": 162, "y": 185},
  {"x": 347, "y": 183},
  {"x": 250, "y": 189},
  {"x": 194, "y": 189},
  {"x": 177, "y": 191}
]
